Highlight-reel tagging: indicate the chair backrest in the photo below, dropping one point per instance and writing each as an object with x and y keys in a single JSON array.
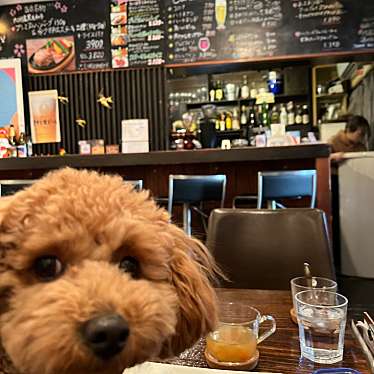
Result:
[
  {"x": 264, "y": 249},
  {"x": 287, "y": 184},
  {"x": 137, "y": 184},
  {"x": 11, "y": 186},
  {"x": 196, "y": 188}
]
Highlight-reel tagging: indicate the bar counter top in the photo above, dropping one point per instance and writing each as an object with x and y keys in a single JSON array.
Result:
[{"x": 308, "y": 151}]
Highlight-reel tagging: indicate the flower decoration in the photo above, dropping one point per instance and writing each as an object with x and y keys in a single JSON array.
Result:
[
  {"x": 19, "y": 7},
  {"x": 13, "y": 12},
  {"x": 64, "y": 9},
  {"x": 19, "y": 50},
  {"x": 57, "y": 5}
]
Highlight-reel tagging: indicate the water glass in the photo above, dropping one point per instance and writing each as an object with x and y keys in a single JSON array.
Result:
[
  {"x": 321, "y": 316},
  {"x": 303, "y": 284}
]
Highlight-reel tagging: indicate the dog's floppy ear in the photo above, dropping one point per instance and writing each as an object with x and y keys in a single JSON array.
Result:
[{"x": 192, "y": 270}]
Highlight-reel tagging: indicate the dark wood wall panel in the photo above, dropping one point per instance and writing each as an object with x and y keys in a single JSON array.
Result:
[{"x": 137, "y": 93}]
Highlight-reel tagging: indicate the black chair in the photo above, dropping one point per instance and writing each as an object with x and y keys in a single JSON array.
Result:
[
  {"x": 191, "y": 191},
  {"x": 264, "y": 249},
  {"x": 280, "y": 185},
  {"x": 11, "y": 186}
]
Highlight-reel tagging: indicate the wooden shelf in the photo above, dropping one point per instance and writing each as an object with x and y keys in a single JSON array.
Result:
[
  {"x": 239, "y": 102},
  {"x": 332, "y": 96}
]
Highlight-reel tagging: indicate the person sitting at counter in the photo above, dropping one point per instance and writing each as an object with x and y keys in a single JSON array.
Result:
[{"x": 352, "y": 139}]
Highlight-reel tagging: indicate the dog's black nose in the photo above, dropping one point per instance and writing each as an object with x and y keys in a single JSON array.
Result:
[{"x": 106, "y": 335}]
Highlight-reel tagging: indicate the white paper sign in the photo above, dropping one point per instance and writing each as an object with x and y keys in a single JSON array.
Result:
[{"x": 135, "y": 130}]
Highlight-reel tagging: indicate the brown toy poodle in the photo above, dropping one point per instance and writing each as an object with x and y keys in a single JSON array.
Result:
[{"x": 94, "y": 278}]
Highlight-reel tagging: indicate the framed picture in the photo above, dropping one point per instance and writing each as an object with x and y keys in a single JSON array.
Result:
[
  {"x": 44, "y": 117},
  {"x": 11, "y": 95}
]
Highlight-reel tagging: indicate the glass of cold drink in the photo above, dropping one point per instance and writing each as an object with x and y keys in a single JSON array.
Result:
[
  {"x": 321, "y": 317},
  {"x": 236, "y": 337}
]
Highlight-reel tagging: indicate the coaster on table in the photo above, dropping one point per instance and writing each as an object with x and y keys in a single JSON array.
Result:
[
  {"x": 247, "y": 365},
  {"x": 293, "y": 316}
]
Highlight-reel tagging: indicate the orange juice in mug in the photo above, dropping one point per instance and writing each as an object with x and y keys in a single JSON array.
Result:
[{"x": 237, "y": 335}]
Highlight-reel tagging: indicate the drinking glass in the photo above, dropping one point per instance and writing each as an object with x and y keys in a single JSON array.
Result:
[
  {"x": 237, "y": 335},
  {"x": 303, "y": 284},
  {"x": 221, "y": 13},
  {"x": 321, "y": 316}
]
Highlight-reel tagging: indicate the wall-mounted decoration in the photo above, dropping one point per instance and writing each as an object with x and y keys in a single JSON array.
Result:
[
  {"x": 11, "y": 95},
  {"x": 51, "y": 55},
  {"x": 44, "y": 117}
]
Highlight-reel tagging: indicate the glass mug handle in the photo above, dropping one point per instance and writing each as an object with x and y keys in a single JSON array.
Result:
[{"x": 269, "y": 332}]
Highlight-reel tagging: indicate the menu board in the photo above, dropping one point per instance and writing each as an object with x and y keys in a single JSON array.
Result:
[
  {"x": 137, "y": 33},
  {"x": 56, "y": 36},
  {"x": 241, "y": 29}
]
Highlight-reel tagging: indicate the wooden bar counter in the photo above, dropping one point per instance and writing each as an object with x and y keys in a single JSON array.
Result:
[{"x": 240, "y": 165}]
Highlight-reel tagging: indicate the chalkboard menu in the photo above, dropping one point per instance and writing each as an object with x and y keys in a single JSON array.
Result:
[
  {"x": 241, "y": 29},
  {"x": 56, "y": 36},
  {"x": 137, "y": 33},
  {"x": 66, "y": 35}
]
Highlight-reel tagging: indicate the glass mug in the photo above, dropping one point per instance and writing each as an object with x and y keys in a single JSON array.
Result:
[{"x": 237, "y": 335}]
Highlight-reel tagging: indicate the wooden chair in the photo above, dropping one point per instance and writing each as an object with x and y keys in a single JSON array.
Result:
[{"x": 264, "y": 249}]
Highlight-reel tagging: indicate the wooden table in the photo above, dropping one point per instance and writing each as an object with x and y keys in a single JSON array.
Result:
[{"x": 281, "y": 351}]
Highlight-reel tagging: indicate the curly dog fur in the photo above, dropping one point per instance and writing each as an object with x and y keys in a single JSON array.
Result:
[{"x": 90, "y": 222}]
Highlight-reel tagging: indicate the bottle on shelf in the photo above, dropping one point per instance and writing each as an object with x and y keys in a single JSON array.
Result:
[
  {"x": 219, "y": 91},
  {"x": 299, "y": 115},
  {"x": 252, "y": 122},
  {"x": 291, "y": 113},
  {"x": 265, "y": 115},
  {"x": 29, "y": 146},
  {"x": 243, "y": 117},
  {"x": 228, "y": 121},
  {"x": 12, "y": 136},
  {"x": 253, "y": 93},
  {"x": 274, "y": 116},
  {"x": 244, "y": 91},
  {"x": 235, "y": 120},
  {"x": 222, "y": 122},
  {"x": 283, "y": 116},
  {"x": 305, "y": 115},
  {"x": 22, "y": 139},
  {"x": 212, "y": 93}
]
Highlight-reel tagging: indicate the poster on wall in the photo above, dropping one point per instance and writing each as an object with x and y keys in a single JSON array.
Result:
[
  {"x": 44, "y": 117},
  {"x": 11, "y": 95},
  {"x": 50, "y": 55}
]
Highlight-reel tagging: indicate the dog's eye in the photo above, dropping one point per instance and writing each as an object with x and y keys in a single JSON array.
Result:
[
  {"x": 48, "y": 268},
  {"x": 130, "y": 265}
]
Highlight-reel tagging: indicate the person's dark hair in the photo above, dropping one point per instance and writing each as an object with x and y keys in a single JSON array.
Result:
[{"x": 358, "y": 122}]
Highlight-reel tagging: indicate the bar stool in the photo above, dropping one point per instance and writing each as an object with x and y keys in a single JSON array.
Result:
[
  {"x": 273, "y": 186},
  {"x": 278, "y": 185},
  {"x": 11, "y": 186},
  {"x": 136, "y": 183},
  {"x": 190, "y": 190}
]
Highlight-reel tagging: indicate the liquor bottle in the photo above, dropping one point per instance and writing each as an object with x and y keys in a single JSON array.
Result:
[
  {"x": 222, "y": 122},
  {"x": 291, "y": 113},
  {"x": 212, "y": 93},
  {"x": 244, "y": 92},
  {"x": 299, "y": 115},
  {"x": 22, "y": 139},
  {"x": 235, "y": 120},
  {"x": 254, "y": 91},
  {"x": 305, "y": 115},
  {"x": 228, "y": 121},
  {"x": 275, "y": 115},
  {"x": 12, "y": 136},
  {"x": 283, "y": 116},
  {"x": 219, "y": 91},
  {"x": 265, "y": 115},
  {"x": 252, "y": 117},
  {"x": 29, "y": 147},
  {"x": 243, "y": 117}
]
